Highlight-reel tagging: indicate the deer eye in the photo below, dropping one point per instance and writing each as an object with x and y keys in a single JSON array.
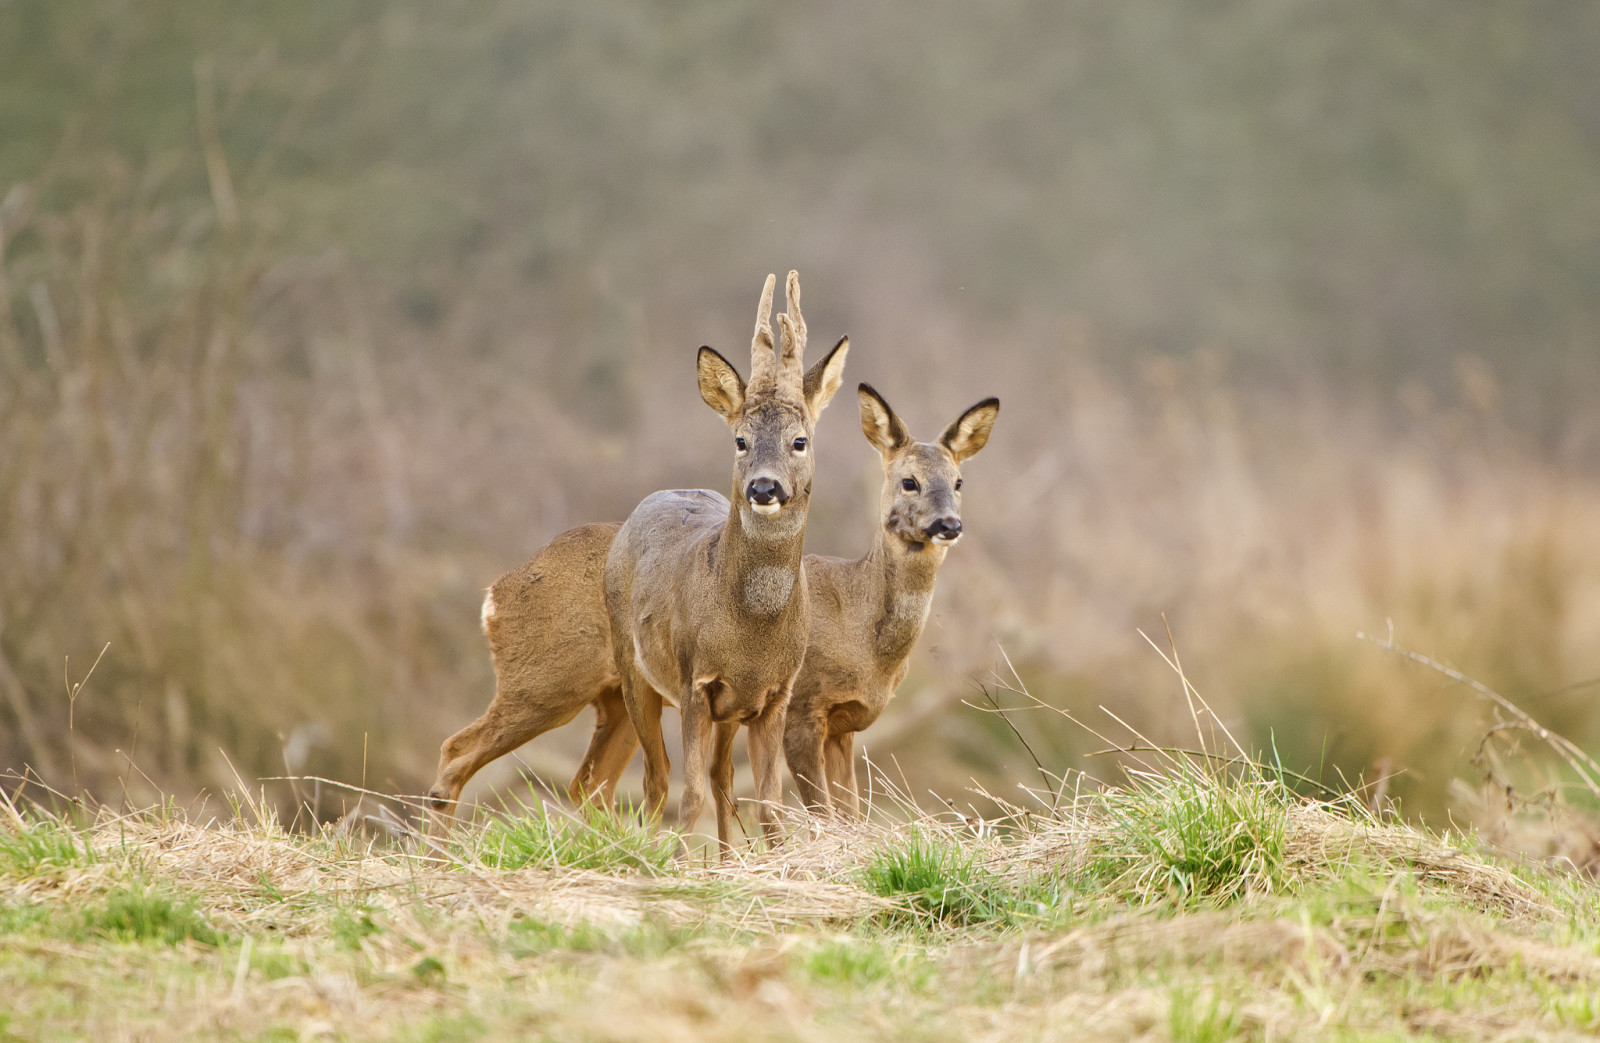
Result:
[
  {"x": 799, "y": 445},
  {"x": 908, "y": 484},
  {"x": 739, "y": 444},
  {"x": 958, "y": 485}
]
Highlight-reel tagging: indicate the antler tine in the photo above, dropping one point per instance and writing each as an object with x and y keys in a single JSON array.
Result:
[
  {"x": 764, "y": 313},
  {"x": 793, "y": 325},
  {"x": 762, "y": 357}
]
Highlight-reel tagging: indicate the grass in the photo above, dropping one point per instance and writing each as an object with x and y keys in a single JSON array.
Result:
[
  {"x": 135, "y": 912},
  {"x": 934, "y": 879},
  {"x": 132, "y": 912},
  {"x": 1193, "y": 833},
  {"x": 1197, "y": 902},
  {"x": 1194, "y": 1018},
  {"x": 589, "y": 838},
  {"x": 42, "y": 843}
]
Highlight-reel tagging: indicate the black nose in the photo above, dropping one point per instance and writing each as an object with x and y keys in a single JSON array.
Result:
[
  {"x": 944, "y": 529},
  {"x": 765, "y": 491}
]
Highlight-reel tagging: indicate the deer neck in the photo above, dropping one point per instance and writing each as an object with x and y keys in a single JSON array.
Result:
[
  {"x": 900, "y": 582},
  {"x": 758, "y": 565}
]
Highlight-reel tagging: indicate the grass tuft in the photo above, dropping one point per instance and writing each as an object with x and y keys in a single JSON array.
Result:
[
  {"x": 137, "y": 913},
  {"x": 1194, "y": 832},
  {"x": 37, "y": 843},
  {"x": 589, "y": 838},
  {"x": 937, "y": 880}
]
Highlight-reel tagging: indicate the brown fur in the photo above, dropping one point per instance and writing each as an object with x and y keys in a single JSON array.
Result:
[
  {"x": 549, "y": 637},
  {"x": 707, "y": 598},
  {"x": 867, "y": 614}
]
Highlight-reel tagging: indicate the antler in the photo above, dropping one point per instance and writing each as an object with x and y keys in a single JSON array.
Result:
[
  {"x": 763, "y": 361},
  {"x": 793, "y": 326}
]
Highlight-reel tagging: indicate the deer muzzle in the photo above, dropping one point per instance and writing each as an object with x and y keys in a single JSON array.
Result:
[{"x": 766, "y": 495}]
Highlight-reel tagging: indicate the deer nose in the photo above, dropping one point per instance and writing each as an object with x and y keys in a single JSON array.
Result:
[
  {"x": 945, "y": 530},
  {"x": 765, "y": 492}
]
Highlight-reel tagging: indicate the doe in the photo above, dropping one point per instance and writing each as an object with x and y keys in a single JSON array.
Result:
[{"x": 867, "y": 614}]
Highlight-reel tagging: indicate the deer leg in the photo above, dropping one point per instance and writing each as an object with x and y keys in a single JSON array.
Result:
[
  {"x": 722, "y": 784},
  {"x": 610, "y": 748},
  {"x": 644, "y": 710},
  {"x": 511, "y": 720},
  {"x": 842, "y": 791},
  {"x": 802, "y": 746},
  {"x": 766, "y": 744},
  {"x": 695, "y": 715}
]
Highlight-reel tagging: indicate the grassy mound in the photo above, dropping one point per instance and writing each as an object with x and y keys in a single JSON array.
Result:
[{"x": 1202, "y": 901}]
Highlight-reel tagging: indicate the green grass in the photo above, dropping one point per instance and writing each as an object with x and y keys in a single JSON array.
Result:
[
  {"x": 589, "y": 838},
  {"x": 132, "y": 911},
  {"x": 934, "y": 879},
  {"x": 857, "y": 962},
  {"x": 25, "y": 918},
  {"x": 1194, "y": 832},
  {"x": 136, "y": 912},
  {"x": 1193, "y": 1018},
  {"x": 351, "y": 924},
  {"x": 41, "y": 843}
]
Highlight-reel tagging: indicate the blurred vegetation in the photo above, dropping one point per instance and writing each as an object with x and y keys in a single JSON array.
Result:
[{"x": 314, "y": 319}]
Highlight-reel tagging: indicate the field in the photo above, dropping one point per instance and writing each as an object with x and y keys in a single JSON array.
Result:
[
  {"x": 1200, "y": 901},
  {"x": 314, "y": 320}
]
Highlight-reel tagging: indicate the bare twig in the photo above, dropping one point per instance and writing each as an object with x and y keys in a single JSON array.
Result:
[
  {"x": 73, "y": 691},
  {"x": 1585, "y": 766},
  {"x": 1000, "y": 710}
]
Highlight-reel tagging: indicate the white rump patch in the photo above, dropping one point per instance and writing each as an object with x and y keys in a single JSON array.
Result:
[
  {"x": 488, "y": 608},
  {"x": 767, "y": 589}
]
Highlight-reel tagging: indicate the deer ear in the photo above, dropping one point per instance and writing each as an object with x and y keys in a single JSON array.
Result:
[
  {"x": 720, "y": 384},
  {"x": 970, "y": 431},
  {"x": 824, "y": 378},
  {"x": 883, "y": 428}
]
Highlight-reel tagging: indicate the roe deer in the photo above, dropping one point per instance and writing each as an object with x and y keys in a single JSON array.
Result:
[
  {"x": 550, "y": 636},
  {"x": 867, "y": 614},
  {"x": 707, "y": 598},
  {"x": 551, "y": 644}
]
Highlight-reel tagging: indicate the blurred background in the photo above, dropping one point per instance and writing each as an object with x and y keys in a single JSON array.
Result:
[{"x": 314, "y": 319}]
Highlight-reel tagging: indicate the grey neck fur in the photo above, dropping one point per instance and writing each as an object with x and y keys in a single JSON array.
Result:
[
  {"x": 757, "y": 568},
  {"x": 902, "y": 582}
]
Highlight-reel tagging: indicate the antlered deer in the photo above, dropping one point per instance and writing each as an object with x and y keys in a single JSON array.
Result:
[
  {"x": 708, "y": 602},
  {"x": 547, "y": 622}
]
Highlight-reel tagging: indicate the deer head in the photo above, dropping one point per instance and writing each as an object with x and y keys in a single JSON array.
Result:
[
  {"x": 772, "y": 417},
  {"x": 922, "y": 480}
]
